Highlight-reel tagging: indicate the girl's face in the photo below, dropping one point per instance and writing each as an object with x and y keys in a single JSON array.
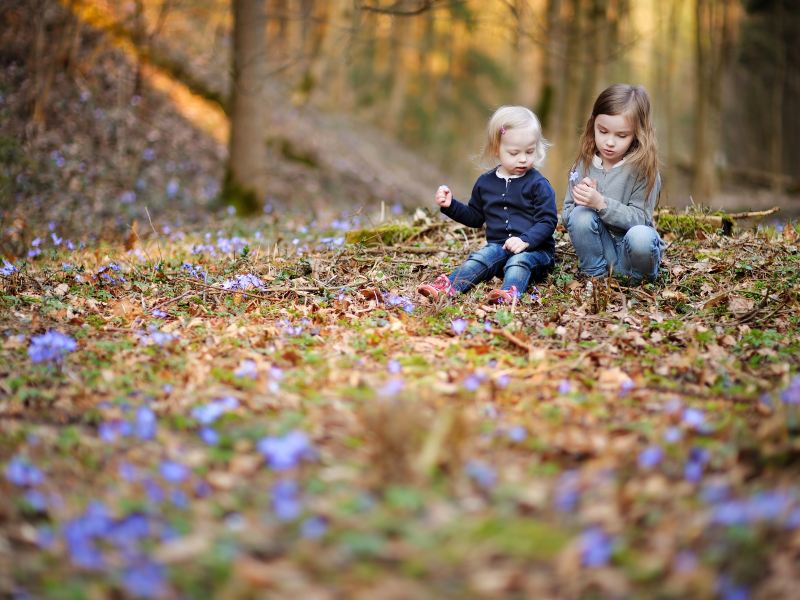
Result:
[
  {"x": 516, "y": 152},
  {"x": 613, "y": 136}
]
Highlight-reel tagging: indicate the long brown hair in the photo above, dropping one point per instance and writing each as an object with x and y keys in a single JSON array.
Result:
[{"x": 633, "y": 102}]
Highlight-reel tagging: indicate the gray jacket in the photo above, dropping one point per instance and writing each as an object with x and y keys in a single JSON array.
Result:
[{"x": 624, "y": 191}]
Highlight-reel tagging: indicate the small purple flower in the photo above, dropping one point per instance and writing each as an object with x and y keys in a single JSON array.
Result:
[
  {"x": 564, "y": 387},
  {"x": 285, "y": 452},
  {"x": 52, "y": 346},
  {"x": 243, "y": 282},
  {"x": 459, "y": 326},
  {"x": 391, "y": 388},
  {"x": 791, "y": 395},
  {"x": 502, "y": 381},
  {"x": 173, "y": 472},
  {"x": 673, "y": 435},
  {"x": 144, "y": 578},
  {"x": 472, "y": 382},
  {"x": 209, "y": 436},
  {"x": 145, "y": 423},
  {"x": 158, "y": 313},
  {"x": 567, "y": 491},
  {"x": 727, "y": 589},
  {"x": 650, "y": 457},
  {"x": 20, "y": 472},
  {"x": 684, "y": 562},
  {"x": 8, "y": 269},
  {"x": 313, "y": 527},
  {"x": 247, "y": 369},
  {"x": 693, "y": 418},
  {"x": 393, "y": 367},
  {"x": 517, "y": 433},
  {"x": 573, "y": 177},
  {"x": 206, "y": 414},
  {"x": 285, "y": 501},
  {"x": 596, "y": 547},
  {"x": 156, "y": 337},
  {"x": 482, "y": 473},
  {"x": 172, "y": 188}
]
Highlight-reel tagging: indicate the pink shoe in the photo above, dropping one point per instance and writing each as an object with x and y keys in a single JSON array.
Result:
[
  {"x": 441, "y": 285},
  {"x": 508, "y": 296}
]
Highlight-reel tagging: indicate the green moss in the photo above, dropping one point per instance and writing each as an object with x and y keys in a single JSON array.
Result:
[
  {"x": 384, "y": 235},
  {"x": 243, "y": 199},
  {"x": 688, "y": 225}
]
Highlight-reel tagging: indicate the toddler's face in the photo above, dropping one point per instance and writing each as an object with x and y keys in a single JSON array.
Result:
[
  {"x": 516, "y": 152},
  {"x": 613, "y": 136}
]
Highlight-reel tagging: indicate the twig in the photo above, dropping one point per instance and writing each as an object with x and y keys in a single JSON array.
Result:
[{"x": 243, "y": 293}]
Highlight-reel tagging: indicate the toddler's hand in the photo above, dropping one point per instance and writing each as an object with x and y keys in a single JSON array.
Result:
[
  {"x": 444, "y": 196},
  {"x": 515, "y": 245}
]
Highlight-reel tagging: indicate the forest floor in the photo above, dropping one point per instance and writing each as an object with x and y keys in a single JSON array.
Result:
[{"x": 263, "y": 410}]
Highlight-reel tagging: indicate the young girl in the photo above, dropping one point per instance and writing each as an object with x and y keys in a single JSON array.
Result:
[
  {"x": 516, "y": 203},
  {"x": 613, "y": 188}
]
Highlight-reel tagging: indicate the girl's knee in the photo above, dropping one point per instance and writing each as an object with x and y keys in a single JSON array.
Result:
[
  {"x": 641, "y": 239},
  {"x": 582, "y": 218}
]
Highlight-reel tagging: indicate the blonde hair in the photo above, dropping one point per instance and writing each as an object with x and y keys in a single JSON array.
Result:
[
  {"x": 632, "y": 102},
  {"x": 506, "y": 118}
]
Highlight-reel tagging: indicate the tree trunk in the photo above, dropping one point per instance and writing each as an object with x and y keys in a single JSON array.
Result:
[{"x": 246, "y": 179}]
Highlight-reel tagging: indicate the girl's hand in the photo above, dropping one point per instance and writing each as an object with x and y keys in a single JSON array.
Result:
[
  {"x": 515, "y": 245},
  {"x": 585, "y": 194},
  {"x": 444, "y": 196}
]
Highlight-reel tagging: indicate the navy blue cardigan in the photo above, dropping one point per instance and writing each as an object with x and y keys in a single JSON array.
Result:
[{"x": 523, "y": 207}]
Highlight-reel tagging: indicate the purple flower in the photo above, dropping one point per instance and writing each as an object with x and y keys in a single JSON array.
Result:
[
  {"x": 693, "y": 418},
  {"x": 156, "y": 338},
  {"x": 174, "y": 472},
  {"x": 109, "y": 431},
  {"x": 247, "y": 368},
  {"x": 596, "y": 547},
  {"x": 673, "y": 435},
  {"x": 285, "y": 501},
  {"x": 194, "y": 270},
  {"x": 209, "y": 436},
  {"x": 482, "y": 473},
  {"x": 52, "y": 346},
  {"x": 472, "y": 382},
  {"x": 145, "y": 423},
  {"x": 567, "y": 491},
  {"x": 36, "y": 500},
  {"x": 158, "y": 313},
  {"x": 7, "y": 269},
  {"x": 243, "y": 282},
  {"x": 22, "y": 473},
  {"x": 729, "y": 590},
  {"x": 313, "y": 527},
  {"x": 517, "y": 433},
  {"x": 502, "y": 381},
  {"x": 650, "y": 457},
  {"x": 284, "y": 452},
  {"x": 206, "y": 414},
  {"x": 144, "y": 578},
  {"x": 573, "y": 177},
  {"x": 391, "y": 388},
  {"x": 396, "y": 300},
  {"x": 791, "y": 395},
  {"x": 685, "y": 562},
  {"x": 564, "y": 387},
  {"x": 393, "y": 367},
  {"x": 459, "y": 326}
]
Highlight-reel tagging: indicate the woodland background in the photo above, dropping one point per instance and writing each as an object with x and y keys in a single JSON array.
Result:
[{"x": 217, "y": 379}]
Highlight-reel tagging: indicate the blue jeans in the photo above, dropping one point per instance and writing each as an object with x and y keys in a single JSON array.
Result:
[
  {"x": 492, "y": 260},
  {"x": 636, "y": 255}
]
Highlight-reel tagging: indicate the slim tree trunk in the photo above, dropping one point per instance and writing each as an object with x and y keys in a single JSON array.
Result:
[{"x": 246, "y": 179}]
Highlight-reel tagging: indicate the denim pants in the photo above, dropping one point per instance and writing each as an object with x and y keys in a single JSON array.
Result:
[
  {"x": 492, "y": 260},
  {"x": 637, "y": 254}
]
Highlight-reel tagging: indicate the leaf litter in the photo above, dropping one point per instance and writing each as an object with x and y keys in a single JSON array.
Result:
[{"x": 274, "y": 410}]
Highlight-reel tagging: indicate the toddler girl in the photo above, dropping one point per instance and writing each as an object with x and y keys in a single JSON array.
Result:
[
  {"x": 517, "y": 205},
  {"x": 613, "y": 188}
]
